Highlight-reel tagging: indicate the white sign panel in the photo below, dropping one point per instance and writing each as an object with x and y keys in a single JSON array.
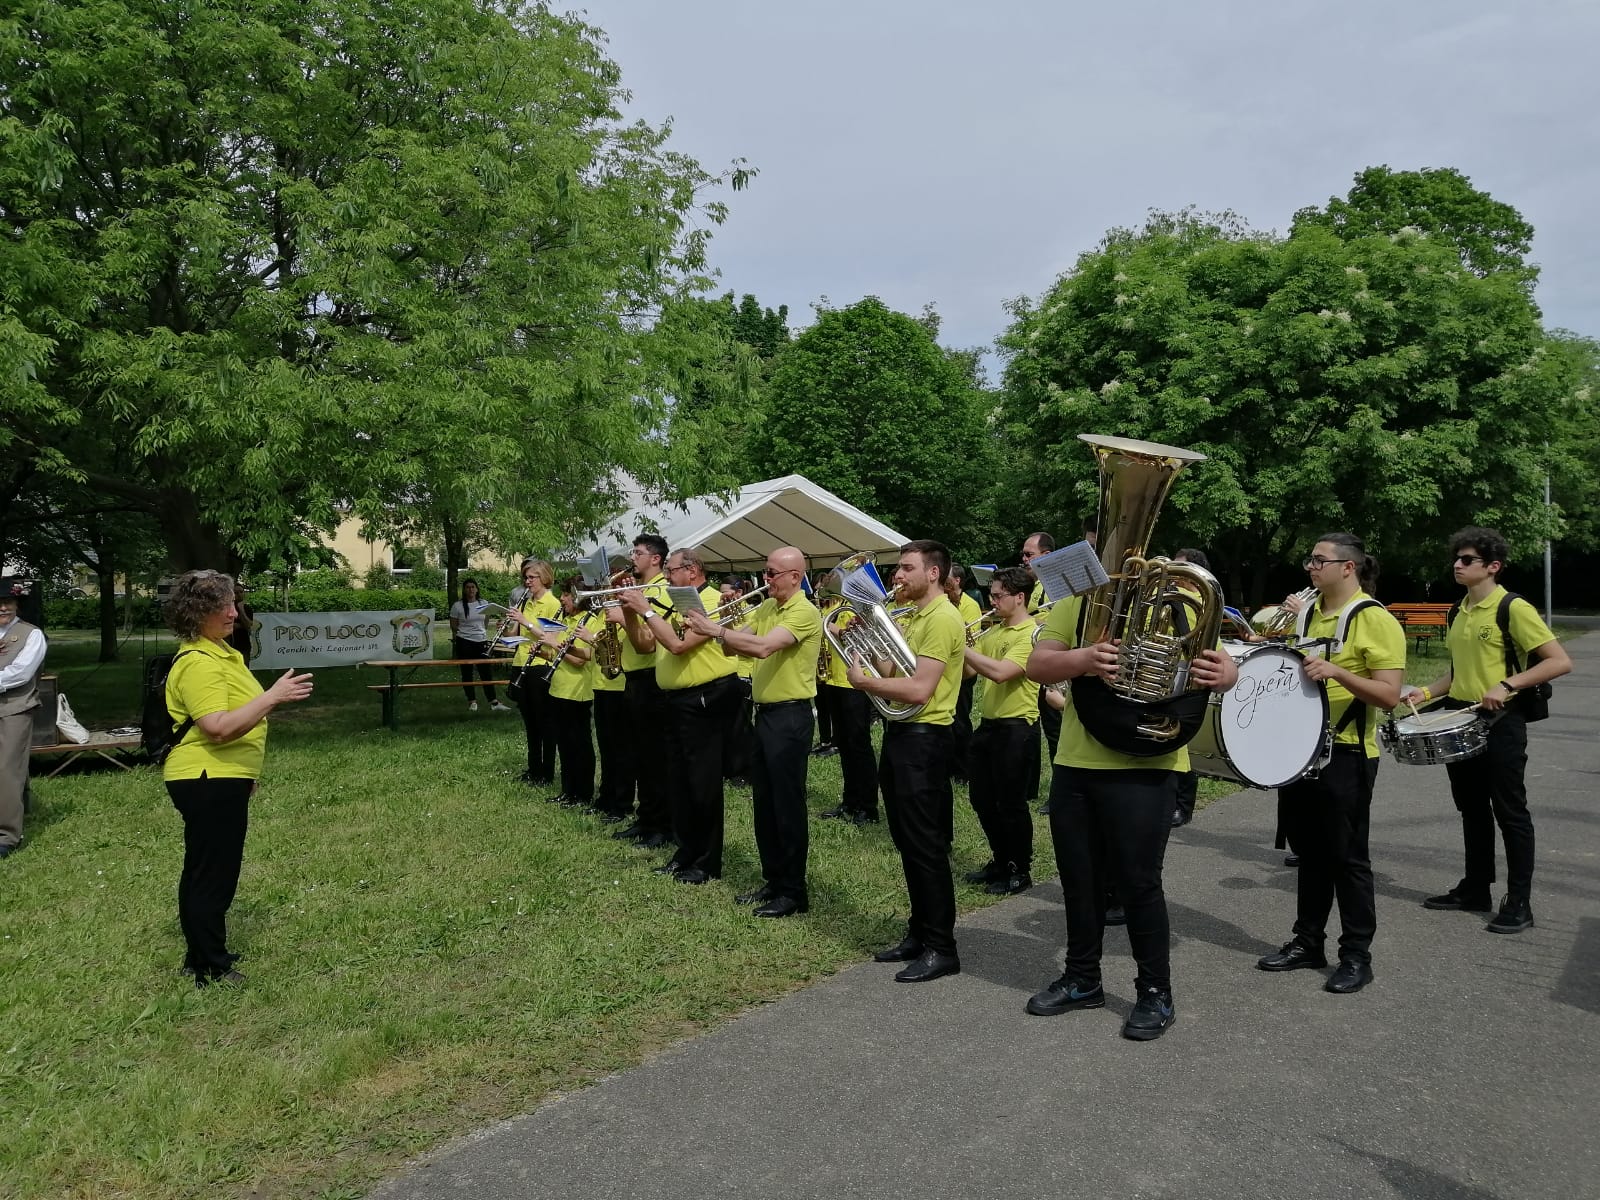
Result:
[{"x": 339, "y": 639}]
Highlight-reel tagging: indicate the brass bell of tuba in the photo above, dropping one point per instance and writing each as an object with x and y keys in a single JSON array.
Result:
[
  {"x": 866, "y": 632},
  {"x": 1163, "y": 614}
]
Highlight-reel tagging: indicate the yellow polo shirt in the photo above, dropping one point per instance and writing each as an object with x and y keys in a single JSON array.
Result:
[
  {"x": 934, "y": 631},
  {"x": 791, "y": 673},
  {"x": 1077, "y": 748},
  {"x": 1036, "y": 598},
  {"x": 968, "y": 610},
  {"x": 838, "y": 673},
  {"x": 1477, "y": 649},
  {"x": 547, "y": 606},
  {"x": 1374, "y": 642},
  {"x": 572, "y": 682},
  {"x": 655, "y": 590},
  {"x": 211, "y": 678},
  {"x": 1020, "y": 697},
  {"x": 706, "y": 662}
]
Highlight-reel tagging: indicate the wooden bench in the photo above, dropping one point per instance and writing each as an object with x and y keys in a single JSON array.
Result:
[
  {"x": 1422, "y": 621},
  {"x": 113, "y": 750},
  {"x": 389, "y": 691}
]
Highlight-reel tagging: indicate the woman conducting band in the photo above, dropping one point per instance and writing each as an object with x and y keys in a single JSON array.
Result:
[
  {"x": 219, "y": 718},
  {"x": 1361, "y": 664},
  {"x": 470, "y": 639}
]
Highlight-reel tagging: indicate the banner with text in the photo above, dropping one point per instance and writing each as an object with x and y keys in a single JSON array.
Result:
[{"x": 339, "y": 639}]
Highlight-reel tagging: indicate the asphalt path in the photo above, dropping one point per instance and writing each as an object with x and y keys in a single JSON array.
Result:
[{"x": 1469, "y": 1070}]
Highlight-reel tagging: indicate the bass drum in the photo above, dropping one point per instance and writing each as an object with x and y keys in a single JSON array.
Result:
[{"x": 1270, "y": 728}]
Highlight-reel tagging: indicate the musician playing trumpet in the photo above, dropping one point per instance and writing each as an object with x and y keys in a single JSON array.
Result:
[
  {"x": 782, "y": 637},
  {"x": 533, "y": 689},
  {"x": 914, "y": 767}
]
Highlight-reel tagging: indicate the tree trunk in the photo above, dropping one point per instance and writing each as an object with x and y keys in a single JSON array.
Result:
[
  {"x": 452, "y": 556},
  {"x": 193, "y": 543},
  {"x": 107, "y": 575}
]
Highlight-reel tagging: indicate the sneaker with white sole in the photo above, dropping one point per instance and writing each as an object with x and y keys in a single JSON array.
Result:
[
  {"x": 472, "y": 706},
  {"x": 498, "y": 707}
]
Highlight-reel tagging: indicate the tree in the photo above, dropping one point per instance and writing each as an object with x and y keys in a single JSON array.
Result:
[
  {"x": 865, "y": 403},
  {"x": 1367, "y": 383},
  {"x": 1491, "y": 236},
  {"x": 295, "y": 256}
]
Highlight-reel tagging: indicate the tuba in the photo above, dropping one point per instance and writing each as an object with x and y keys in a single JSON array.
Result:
[
  {"x": 870, "y": 635},
  {"x": 1162, "y": 613}
]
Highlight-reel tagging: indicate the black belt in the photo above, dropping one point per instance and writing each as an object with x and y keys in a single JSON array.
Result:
[
  {"x": 719, "y": 681},
  {"x": 1004, "y": 722},
  {"x": 922, "y": 727},
  {"x": 781, "y": 703}
]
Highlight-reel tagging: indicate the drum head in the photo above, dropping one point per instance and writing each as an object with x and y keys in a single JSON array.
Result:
[
  {"x": 1436, "y": 720},
  {"x": 1273, "y": 723}
]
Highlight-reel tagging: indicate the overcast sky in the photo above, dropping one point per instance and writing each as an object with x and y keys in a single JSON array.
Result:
[{"x": 963, "y": 153}]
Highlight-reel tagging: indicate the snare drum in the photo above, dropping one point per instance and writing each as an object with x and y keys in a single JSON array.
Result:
[
  {"x": 1440, "y": 736},
  {"x": 1270, "y": 728}
]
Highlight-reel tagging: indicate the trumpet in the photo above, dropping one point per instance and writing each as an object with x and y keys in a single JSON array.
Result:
[
  {"x": 1281, "y": 621},
  {"x": 974, "y": 626},
  {"x": 607, "y": 596},
  {"x": 737, "y": 609}
]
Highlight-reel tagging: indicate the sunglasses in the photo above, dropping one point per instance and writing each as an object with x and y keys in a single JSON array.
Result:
[
  {"x": 1466, "y": 560},
  {"x": 769, "y": 573}
]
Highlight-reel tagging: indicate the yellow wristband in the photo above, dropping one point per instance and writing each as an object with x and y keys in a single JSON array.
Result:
[{"x": 1426, "y": 694}]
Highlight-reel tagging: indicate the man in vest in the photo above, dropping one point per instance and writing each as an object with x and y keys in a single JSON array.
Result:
[{"x": 21, "y": 654}]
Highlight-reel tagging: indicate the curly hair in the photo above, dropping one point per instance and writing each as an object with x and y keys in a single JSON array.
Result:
[{"x": 195, "y": 597}]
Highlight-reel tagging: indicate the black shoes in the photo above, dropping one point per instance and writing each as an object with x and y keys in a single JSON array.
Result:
[
  {"x": 1291, "y": 860},
  {"x": 1514, "y": 916},
  {"x": 670, "y": 867},
  {"x": 1152, "y": 1015},
  {"x": 824, "y": 750},
  {"x": 760, "y": 896},
  {"x": 230, "y": 977},
  {"x": 693, "y": 875},
  {"x": 1179, "y": 817},
  {"x": 1066, "y": 995},
  {"x": 1010, "y": 883},
  {"x": 782, "y": 906},
  {"x": 1292, "y": 957},
  {"x": 988, "y": 873},
  {"x": 1351, "y": 976},
  {"x": 834, "y": 814},
  {"x": 613, "y": 818},
  {"x": 1461, "y": 898},
  {"x": 928, "y": 966},
  {"x": 652, "y": 841},
  {"x": 906, "y": 949},
  {"x": 861, "y": 818},
  {"x": 628, "y": 832}
]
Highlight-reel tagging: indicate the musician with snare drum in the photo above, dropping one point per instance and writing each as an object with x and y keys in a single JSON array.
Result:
[
  {"x": 1499, "y": 650},
  {"x": 1357, "y": 651}
]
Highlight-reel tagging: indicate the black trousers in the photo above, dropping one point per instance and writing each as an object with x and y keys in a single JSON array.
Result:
[
  {"x": 533, "y": 699},
  {"x": 461, "y": 648},
  {"x": 703, "y": 721},
  {"x": 825, "y": 730},
  {"x": 1490, "y": 790},
  {"x": 1188, "y": 790},
  {"x": 648, "y": 719},
  {"x": 1050, "y": 727},
  {"x": 1003, "y": 760},
  {"x": 739, "y": 750},
  {"x": 852, "y": 733},
  {"x": 914, "y": 774},
  {"x": 1327, "y": 819},
  {"x": 961, "y": 729},
  {"x": 616, "y": 755},
  {"x": 216, "y": 814},
  {"x": 778, "y": 794},
  {"x": 574, "y": 747},
  {"x": 1110, "y": 827}
]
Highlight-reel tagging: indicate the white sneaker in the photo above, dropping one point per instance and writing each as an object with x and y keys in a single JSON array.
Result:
[
  {"x": 472, "y": 706},
  {"x": 498, "y": 707}
]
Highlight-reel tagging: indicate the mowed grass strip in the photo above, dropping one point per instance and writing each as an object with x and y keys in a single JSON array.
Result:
[{"x": 430, "y": 946}]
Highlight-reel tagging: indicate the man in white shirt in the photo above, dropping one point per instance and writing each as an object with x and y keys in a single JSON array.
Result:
[{"x": 21, "y": 655}]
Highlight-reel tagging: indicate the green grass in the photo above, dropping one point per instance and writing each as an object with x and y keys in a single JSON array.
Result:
[{"x": 430, "y": 947}]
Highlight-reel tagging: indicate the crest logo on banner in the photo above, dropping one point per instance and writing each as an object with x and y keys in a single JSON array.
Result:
[{"x": 413, "y": 633}]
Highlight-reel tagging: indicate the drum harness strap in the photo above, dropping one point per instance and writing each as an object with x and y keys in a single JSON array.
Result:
[{"x": 1356, "y": 710}]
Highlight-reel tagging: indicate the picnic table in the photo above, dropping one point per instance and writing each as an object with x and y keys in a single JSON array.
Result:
[
  {"x": 119, "y": 751},
  {"x": 391, "y": 691}
]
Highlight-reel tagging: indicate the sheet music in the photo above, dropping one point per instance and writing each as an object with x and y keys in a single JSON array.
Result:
[
  {"x": 864, "y": 585},
  {"x": 1069, "y": 571},
  {"x": 685, "y": 599}
]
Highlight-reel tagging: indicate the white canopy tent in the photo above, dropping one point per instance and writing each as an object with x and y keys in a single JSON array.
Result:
[{"x": 738, "y": 535}]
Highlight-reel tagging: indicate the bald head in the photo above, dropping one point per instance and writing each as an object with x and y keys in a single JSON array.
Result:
[{"x": 785, "y": 568}]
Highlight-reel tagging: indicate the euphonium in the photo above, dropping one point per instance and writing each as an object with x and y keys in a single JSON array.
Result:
[
  {"x": 1283, "y": 619},
  {"x": 1163, "y": 614},
  {"x": 868, "y": 638}
]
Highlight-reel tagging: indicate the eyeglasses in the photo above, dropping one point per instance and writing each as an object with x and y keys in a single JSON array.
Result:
[
  {"x": 1466, "y": 560},
  {"x": 1316, "y": 562},
  {"x": 677, "y": 567}
]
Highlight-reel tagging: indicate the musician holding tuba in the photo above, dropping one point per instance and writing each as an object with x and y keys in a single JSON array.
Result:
[
  {"x": 1111, "y": 806},
  {"x": 914, "y": 766},
  {"x": 781, "y": 637}
]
